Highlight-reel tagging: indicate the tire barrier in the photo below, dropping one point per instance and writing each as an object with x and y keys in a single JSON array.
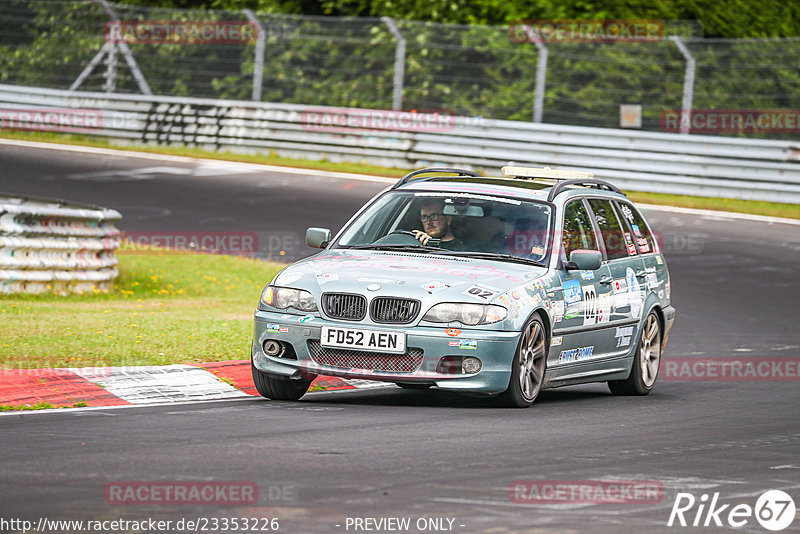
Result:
[{"x": 52, "y": 245}]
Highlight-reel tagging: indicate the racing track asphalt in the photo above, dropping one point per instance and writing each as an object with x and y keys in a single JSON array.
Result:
[{"x": 397, "y": 453}]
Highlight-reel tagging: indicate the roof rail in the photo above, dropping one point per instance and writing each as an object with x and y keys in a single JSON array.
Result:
[
  {"x": 600, "y": 184},
  {"x": 410, "y": 176}
]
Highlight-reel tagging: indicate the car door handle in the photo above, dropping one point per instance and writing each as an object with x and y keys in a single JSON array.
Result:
[
  {"x": 641, "y": 274},
  {"x": 606, "y": 280}
]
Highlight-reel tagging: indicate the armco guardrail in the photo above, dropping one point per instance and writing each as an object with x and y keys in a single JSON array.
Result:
[
  {"x": 52, "y": 245},
  {"x": 642, "y": 161}
]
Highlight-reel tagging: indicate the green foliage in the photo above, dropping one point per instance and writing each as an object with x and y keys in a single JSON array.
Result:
[{"x": 472, "y": 70}]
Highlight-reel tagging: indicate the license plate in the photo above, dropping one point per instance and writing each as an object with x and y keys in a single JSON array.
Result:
[{"x": 356, "y": 338}]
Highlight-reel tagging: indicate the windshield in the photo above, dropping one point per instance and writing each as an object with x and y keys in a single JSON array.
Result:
[{"x": 459, "y": 224}]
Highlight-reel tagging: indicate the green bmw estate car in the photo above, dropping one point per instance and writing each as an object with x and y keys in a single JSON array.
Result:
[{"x": 496, "y": 286}]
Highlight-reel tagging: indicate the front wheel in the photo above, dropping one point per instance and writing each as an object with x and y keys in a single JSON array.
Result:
[
  {"x": 645, "y": 363},
  {"x": 277, "y": 389},
  {"x": 527, "y": 370}
]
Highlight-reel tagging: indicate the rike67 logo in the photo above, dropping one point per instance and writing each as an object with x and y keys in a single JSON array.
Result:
[{"x": 774, "y": 510}]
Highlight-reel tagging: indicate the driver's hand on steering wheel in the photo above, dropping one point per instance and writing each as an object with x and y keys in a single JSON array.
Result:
[{"x": 422, "y": 236}]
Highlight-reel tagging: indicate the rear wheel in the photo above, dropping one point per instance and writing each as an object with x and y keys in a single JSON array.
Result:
[
  {"x": 527, "y": 370},
  {"x": 276, "y": 388},
  {"x": 645, "y": 364}
]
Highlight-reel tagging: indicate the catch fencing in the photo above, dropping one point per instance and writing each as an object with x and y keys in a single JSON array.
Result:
[
  {"x": 494, "y": 72},
  {"x": 714, "y": 166},
  {"x": 55, "y": 246}
]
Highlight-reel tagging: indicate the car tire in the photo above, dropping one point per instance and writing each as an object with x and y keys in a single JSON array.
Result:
[
  {"x": 527, "y": 369},
  {"x": 646, "y": 361},
  {"x": 276, "y": 388},
  {"x": 408, "y": 385}
]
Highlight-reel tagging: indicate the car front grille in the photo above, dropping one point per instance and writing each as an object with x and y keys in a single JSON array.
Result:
[
  {"x": 356, "y": 359},
  {"x": 391, "y": 310},
  {"x": 344, "y": 306}
]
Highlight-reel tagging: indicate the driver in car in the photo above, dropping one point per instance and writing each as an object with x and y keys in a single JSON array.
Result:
[{"x": 437, "y": 226}]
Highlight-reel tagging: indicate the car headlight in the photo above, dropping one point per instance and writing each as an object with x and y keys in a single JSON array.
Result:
[
  {"x": 284, "y": 297},
  {"x": 468, "y": 314}
]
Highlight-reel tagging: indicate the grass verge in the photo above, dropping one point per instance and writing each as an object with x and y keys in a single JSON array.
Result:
[
  {"x": 164, "y": 308},
  {"x": 38, "y": 406},
  {"x": 772, "y": 209}
]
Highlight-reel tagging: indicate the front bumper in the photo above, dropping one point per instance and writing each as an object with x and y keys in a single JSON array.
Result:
[{"x": 495, "y": 350}]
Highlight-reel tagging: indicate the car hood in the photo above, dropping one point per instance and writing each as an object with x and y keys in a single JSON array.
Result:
[{"x": 425, "y": 277}]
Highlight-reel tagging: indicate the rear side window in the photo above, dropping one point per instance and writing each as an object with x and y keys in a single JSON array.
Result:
[
  {"x": 578, "y": 232},
  {"x": 610, "y": 228},
  {"x": 641, "y": 233}
]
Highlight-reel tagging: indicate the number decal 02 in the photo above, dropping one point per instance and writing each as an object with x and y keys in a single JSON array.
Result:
[{"x": 589, "y": 305}]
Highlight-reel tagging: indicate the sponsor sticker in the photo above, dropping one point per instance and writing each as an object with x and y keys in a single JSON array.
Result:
[
  {"x": 635, "y": 297},
  {"x": 604, "y": 308},
  {"x": 652, "y": 280},
  {"x": 452, "y": 332},
  {"x": 324, "y": 278},
  {"x": 434, "y": 286},
  {"x": 623, "y": 335},
  {"x": 556, "y": 341},
  {"x": 587, "y": 275},
  {"x": 572, "y": 292},
  {"x": 577, "y": 354},
  {"x": 283, "y": 329},
  {"x": 631, "y": 246},
  {"x": 557, "y": 310},
  {"x": 469, "y": 344},
  {"x": 306, "y": 318},
  {"x": 626, "y": 211},
  {"x": 272, "y": 327}
]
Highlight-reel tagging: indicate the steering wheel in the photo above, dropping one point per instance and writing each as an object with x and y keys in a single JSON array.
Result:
[{"x": 401, "y": 237}]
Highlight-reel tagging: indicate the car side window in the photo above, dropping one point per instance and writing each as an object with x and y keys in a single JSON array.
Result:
[
  {"x": 578, "y": 232},
  {"x": 641, "y": 232},
  {"x": 610, "y": 228}
]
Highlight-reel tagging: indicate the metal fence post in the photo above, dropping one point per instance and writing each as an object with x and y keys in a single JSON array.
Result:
[
  {"x": 541, "y": 76},
  {"x": 110, "y": 84},
  {"x": 688, "y": 85},
  {"x": 399, "y": 63},
  {"x": 127, "y": 54},
  {"x": 258, "y": 60},
  {"x": 91, "y": 66}
]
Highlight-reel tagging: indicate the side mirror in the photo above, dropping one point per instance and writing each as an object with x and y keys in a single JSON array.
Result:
[
  {"x": 584, "y": 260},
  {"x": 318, "y": 237}
]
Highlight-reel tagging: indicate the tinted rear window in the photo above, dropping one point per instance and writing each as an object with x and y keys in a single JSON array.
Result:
[{"x": 610, "y": 228}]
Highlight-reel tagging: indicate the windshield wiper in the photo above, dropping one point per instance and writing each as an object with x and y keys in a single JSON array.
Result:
[
  {"x": 402, "y": 248},
  {"x": 497, "y": 256}
]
